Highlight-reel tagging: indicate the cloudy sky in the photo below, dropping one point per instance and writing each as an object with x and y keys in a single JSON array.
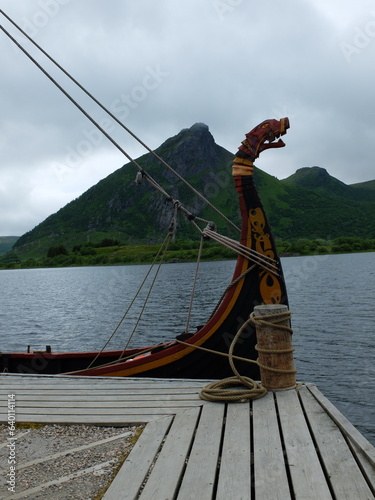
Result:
[{"x": 163, "y": 66}]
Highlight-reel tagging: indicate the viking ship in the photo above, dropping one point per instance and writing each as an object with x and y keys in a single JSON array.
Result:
[
  {"x": 257, "y": 279},
  {"x": 258, "y": 276}
]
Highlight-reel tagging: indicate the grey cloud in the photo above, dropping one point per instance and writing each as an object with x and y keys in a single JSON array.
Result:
[{"x": 227, "y": 63}]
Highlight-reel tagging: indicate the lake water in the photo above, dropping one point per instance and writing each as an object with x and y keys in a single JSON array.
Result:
[{"x": 331, "y": 299}]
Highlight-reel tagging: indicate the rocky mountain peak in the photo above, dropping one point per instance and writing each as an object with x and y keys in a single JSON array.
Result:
[{"x": 191, "y": 150}]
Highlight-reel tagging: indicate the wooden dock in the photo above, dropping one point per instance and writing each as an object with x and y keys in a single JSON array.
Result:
[{"x": 288, "y": 445}]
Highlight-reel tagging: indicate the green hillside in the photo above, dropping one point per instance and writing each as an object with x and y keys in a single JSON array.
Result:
[
  {"x": 308, "y": 204},
  {"x": 6, "y": 243},
  {"x": 324, "y": 207},
  {"x": 120, "y": 209},
  {"x": 369, "y": 185}
]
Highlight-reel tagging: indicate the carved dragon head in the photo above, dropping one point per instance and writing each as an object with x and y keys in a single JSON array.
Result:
[{"x": 262, "y": 137}]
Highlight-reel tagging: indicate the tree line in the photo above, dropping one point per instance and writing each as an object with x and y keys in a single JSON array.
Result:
[{"x": 112, "y": 252}]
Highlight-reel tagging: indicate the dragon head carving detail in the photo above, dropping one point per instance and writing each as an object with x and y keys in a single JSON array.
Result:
[{"x": 262, "y": 137}]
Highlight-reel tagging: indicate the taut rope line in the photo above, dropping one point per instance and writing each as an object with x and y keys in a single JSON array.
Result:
[
  {"x": 262, "y": 260},
  {"x": 163, "y": 247},
  {"x": 192, "y": 295},
  {"x": 144, "y": 174},
  {"x": 166, "y": 242},
  {"x": 243, "y": 395}
]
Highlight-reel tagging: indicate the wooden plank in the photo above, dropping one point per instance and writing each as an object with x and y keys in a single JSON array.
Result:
[
  {"x": 270, "y": 476},
  {"x": 113, "y": 420},
  {"x": 96, "y": 381},
  {"x": 93, "y": 411},
  {"x": 344, "y": 474},
  {"x": 107, "y": 384},
  {"x": 105, "y": 391},
  {"x": 125, "y": 385},
  {"x": 42, "y": 378},
  {"x": 167, "y": 471},
  {"x": 115, "y": 387},
  {"x": 200, "y": 474},
  {"x": 308, "y": 478},
  {"x": 85, "y": 399},
  {"x": 367, "y": 469},
  {"x": 235, "y": 465},
  {"x": 119, "y": 402},
  {"x": 100, "y": 390},
  {"x": 133, "y": 472},
  {"x": 99, "y": 403},
  {"x": 143, "y": 382},
  {"x": 105, "y": 397},
  {"x": 343, "y": 423}
]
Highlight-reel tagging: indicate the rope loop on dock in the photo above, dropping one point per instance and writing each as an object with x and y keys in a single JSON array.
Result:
[{"x": 220, "y": 390}]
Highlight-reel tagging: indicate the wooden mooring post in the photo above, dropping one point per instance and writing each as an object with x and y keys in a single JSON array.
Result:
[{"x": 274, "y": 345}]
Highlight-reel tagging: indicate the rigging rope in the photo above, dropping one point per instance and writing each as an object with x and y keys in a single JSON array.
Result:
[
  {"x": 262, "y": 260},
  {"x": 168, "y": 240},
  {"x": 119, "y": 122},
  {"x": 85, "y": 113},
  {"x": 194, "y": 286},
  {"x": 144, "y": 174},
  {"x": 164, "y": 246}
]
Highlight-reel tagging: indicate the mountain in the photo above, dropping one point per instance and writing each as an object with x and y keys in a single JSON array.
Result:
[
  {"x": 324, "y": 207},
  {"x": 309, "y": 203},
  {"x": 118, "y": 208},
  {"x": 368, "y": 185},
  {"x": 318, "y": 178},
  {"x": 6, "y": 243}
]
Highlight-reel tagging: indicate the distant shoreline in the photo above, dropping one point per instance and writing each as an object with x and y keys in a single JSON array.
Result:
[{"x": 111, "y": 257}]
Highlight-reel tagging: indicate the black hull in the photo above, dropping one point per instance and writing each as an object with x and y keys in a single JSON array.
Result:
[{"x": 175, "y": 360}]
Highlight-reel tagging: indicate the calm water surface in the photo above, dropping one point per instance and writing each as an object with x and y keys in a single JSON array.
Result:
[{"x": 331, "y": 298}]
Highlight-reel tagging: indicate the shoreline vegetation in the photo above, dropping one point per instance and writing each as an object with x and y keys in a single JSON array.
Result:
[{"x": 112, "y": 252}]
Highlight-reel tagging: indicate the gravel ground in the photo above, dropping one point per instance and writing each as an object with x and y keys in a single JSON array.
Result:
[{"x": 41, "y": 458}]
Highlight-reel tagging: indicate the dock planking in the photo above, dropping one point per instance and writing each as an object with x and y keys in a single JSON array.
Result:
[{"x": 289, "y": 444}]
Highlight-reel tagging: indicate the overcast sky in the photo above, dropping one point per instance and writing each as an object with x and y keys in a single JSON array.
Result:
[{"x": 162, "y": 66}]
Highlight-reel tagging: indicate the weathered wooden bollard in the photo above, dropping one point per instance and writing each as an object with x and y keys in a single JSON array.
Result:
[{"x": 274, "y": 345}]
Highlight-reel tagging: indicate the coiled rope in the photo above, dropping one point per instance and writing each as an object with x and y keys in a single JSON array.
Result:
[{"x": 220, "y": 390}]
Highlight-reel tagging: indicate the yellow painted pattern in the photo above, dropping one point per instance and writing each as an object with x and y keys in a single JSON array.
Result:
[{"x": 270, "y": 287}]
